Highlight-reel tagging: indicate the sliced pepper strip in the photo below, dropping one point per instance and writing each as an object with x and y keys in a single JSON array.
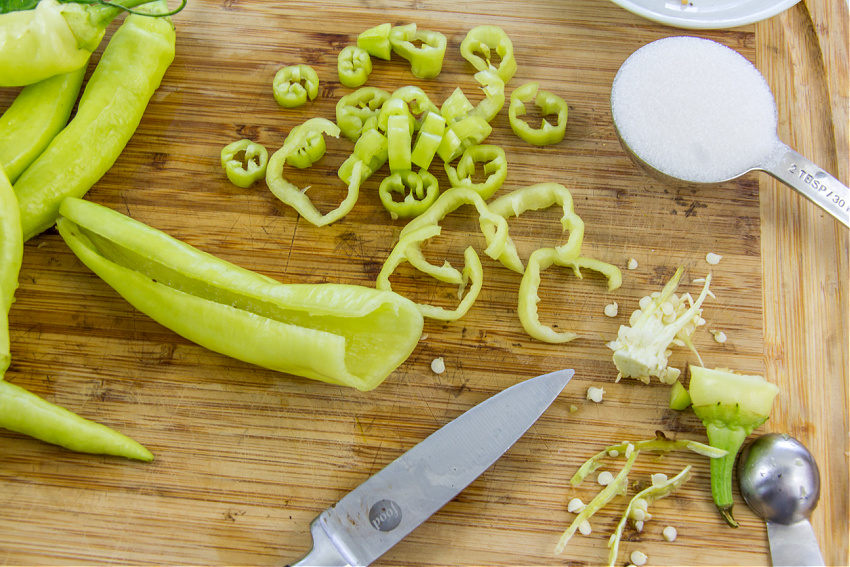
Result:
[
  {"x": 495, "y": 170},
  {"x": 428, "y": 140},
  {"x": 461, "y": 134},
  {"x": 399, "y": 142},
  {"x": 419, "y": 191},
  {"x": 647, "y": 496},
  {"x": 493, "y": 226},
  {"x": 353, "y": 66},
  {"x": 426, "y": 59},
  {"x": 548, "y": 104},
  {"x": 408, "y": 249},
  {"x": 244, "y": 162},
  {"x": 341, "y": 334},
  {"x": 533, "y": 198},
  {"x": 376, "y": 41},
  {"x": 370, "y": 151},
  {"x": 289, "y": 92},
  {"x": 494, "y": 95},
  {"x": 539, "y": 260},
  {"x": 358, "y": 111},
  {"x": 295, "y": 197},
  {"x": 483, "y": 39},
  {"x": 456, "y": 106}
]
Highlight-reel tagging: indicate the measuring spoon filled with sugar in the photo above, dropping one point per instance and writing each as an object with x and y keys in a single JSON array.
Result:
[{"x": 695, "y": 111}]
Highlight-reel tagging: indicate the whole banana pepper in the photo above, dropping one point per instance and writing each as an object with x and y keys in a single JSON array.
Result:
[
  {"x": 341, "y": 334},
  {"x": 43, "y": 38},
  {"x": 110, "y": 109}
]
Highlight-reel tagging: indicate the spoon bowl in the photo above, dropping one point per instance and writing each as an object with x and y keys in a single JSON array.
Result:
[{"x": 780, "y": 481}]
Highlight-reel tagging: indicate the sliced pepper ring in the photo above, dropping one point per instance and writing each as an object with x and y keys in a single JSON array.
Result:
[
  {"x": 297, "y": 198},
  {"x": 541, "y": 259},
  {"x": 484, "y": 39},
  {"x": 549, "y": 104},
  {"x": 408, "y": 249},
  {"x": 357, "y": 111},
  {"x": 244, "y": 162},
  {"x": 309, "y": 152},
  {"x": 353, "y": 66},
  {"x": 495, "y": 167},
  {"x": 420, "y": 191},
  {"x": 289, "y": 92},
  {"x": 370, "y": 151},
  {"x": 424, "y": 49},
  {"x": 534, "y": 198}
]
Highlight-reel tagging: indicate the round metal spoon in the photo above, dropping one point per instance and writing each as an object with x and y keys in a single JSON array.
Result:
[
  {"x": 779, "y": 481},
  {"x": 687, "y": 118}
]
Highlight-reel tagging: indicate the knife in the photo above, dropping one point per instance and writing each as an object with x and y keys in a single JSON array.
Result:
[{"x": 379, "y": 513}]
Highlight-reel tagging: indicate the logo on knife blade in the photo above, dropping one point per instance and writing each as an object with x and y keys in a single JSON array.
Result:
[{"x": 385, "y": 515}]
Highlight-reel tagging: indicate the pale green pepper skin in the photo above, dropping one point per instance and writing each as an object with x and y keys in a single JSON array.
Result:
[
  {"x": 110, "y": 109},
  {"x": 341, "y": 334},
  {"x": 11, "y": 255},
  {"x": 37, "y": 115}
]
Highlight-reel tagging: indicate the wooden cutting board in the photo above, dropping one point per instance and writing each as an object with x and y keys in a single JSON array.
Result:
[{"x": 245, "y": 457}]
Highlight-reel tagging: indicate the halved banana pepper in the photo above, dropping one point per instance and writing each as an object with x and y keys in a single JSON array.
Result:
[
  {"x": 549, "y": 104},
  {"x": 341, "y": 334}
]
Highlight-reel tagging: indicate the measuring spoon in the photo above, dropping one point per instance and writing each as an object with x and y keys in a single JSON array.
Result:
[
  {"x": 692, "y": 110},
  {"x": 779, "y": 481}
]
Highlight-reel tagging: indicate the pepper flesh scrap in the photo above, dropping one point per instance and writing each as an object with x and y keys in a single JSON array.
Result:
[
  {"x": 549, "y": 104},
  {"x": 376, "y": 41},
  {"x": 641, "y": 349},
  {"x": 294, "y": 84},
  {"x": 730, "y": 406},
  {"x": 342, "y": 334},
  {"x": 244, "y": 162}
]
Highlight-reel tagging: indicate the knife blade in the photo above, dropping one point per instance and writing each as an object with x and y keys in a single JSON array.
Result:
[{"x": 379, "y": 513}]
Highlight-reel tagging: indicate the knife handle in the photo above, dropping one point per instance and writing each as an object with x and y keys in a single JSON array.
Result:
[{"x": 323, "y": 553}]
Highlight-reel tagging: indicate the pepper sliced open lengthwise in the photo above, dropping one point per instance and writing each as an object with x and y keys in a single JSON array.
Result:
[{"x": 341, "y": 334}]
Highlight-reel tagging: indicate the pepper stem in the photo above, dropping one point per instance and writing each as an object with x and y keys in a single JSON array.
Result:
[
  {"x": 104, "y": 11},
  {"x": 731, "y": 439}
]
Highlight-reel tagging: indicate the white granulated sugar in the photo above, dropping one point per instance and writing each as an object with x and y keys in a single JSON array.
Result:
[{"x": 694, "y": 109}]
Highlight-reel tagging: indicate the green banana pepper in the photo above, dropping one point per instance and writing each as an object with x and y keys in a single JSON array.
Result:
[
  {"x": 369, "y": 155},
  {"x": 730, "y": 406},
  {"x": 56, "y": 37},
  {"x": 418, "y": 190},
  {"x": 549, "y": 104},
  {"x": 424, "y": 49},
  {"x": 244, "y": 162},
  {"x": 428, "y": 140},
  {"x": 36, "y": 116},
  {"x": 342, "y": 334},
  {"x": 494, "y": 95},
  {"x": 293, "y": 84},
  {"x": 20, "y": 410},
  {"x": 109, "y": 111},
  {"x": 26, "y": 413},
  {"x": 353, "y": 66},
  {"x": 11, "y": 254},
  {"x": 484, "y": 40},
  {"x": 399, "y": 141},
  {"x": 462, "y": 134}
]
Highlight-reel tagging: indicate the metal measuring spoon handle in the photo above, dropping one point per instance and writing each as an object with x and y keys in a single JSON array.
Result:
[
  {"x": 793, "y": 544},
  {"x": 802, "y": 174}
]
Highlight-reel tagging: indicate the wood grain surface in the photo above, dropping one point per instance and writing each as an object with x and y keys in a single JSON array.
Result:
[{"x": 246, "y": 458}]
